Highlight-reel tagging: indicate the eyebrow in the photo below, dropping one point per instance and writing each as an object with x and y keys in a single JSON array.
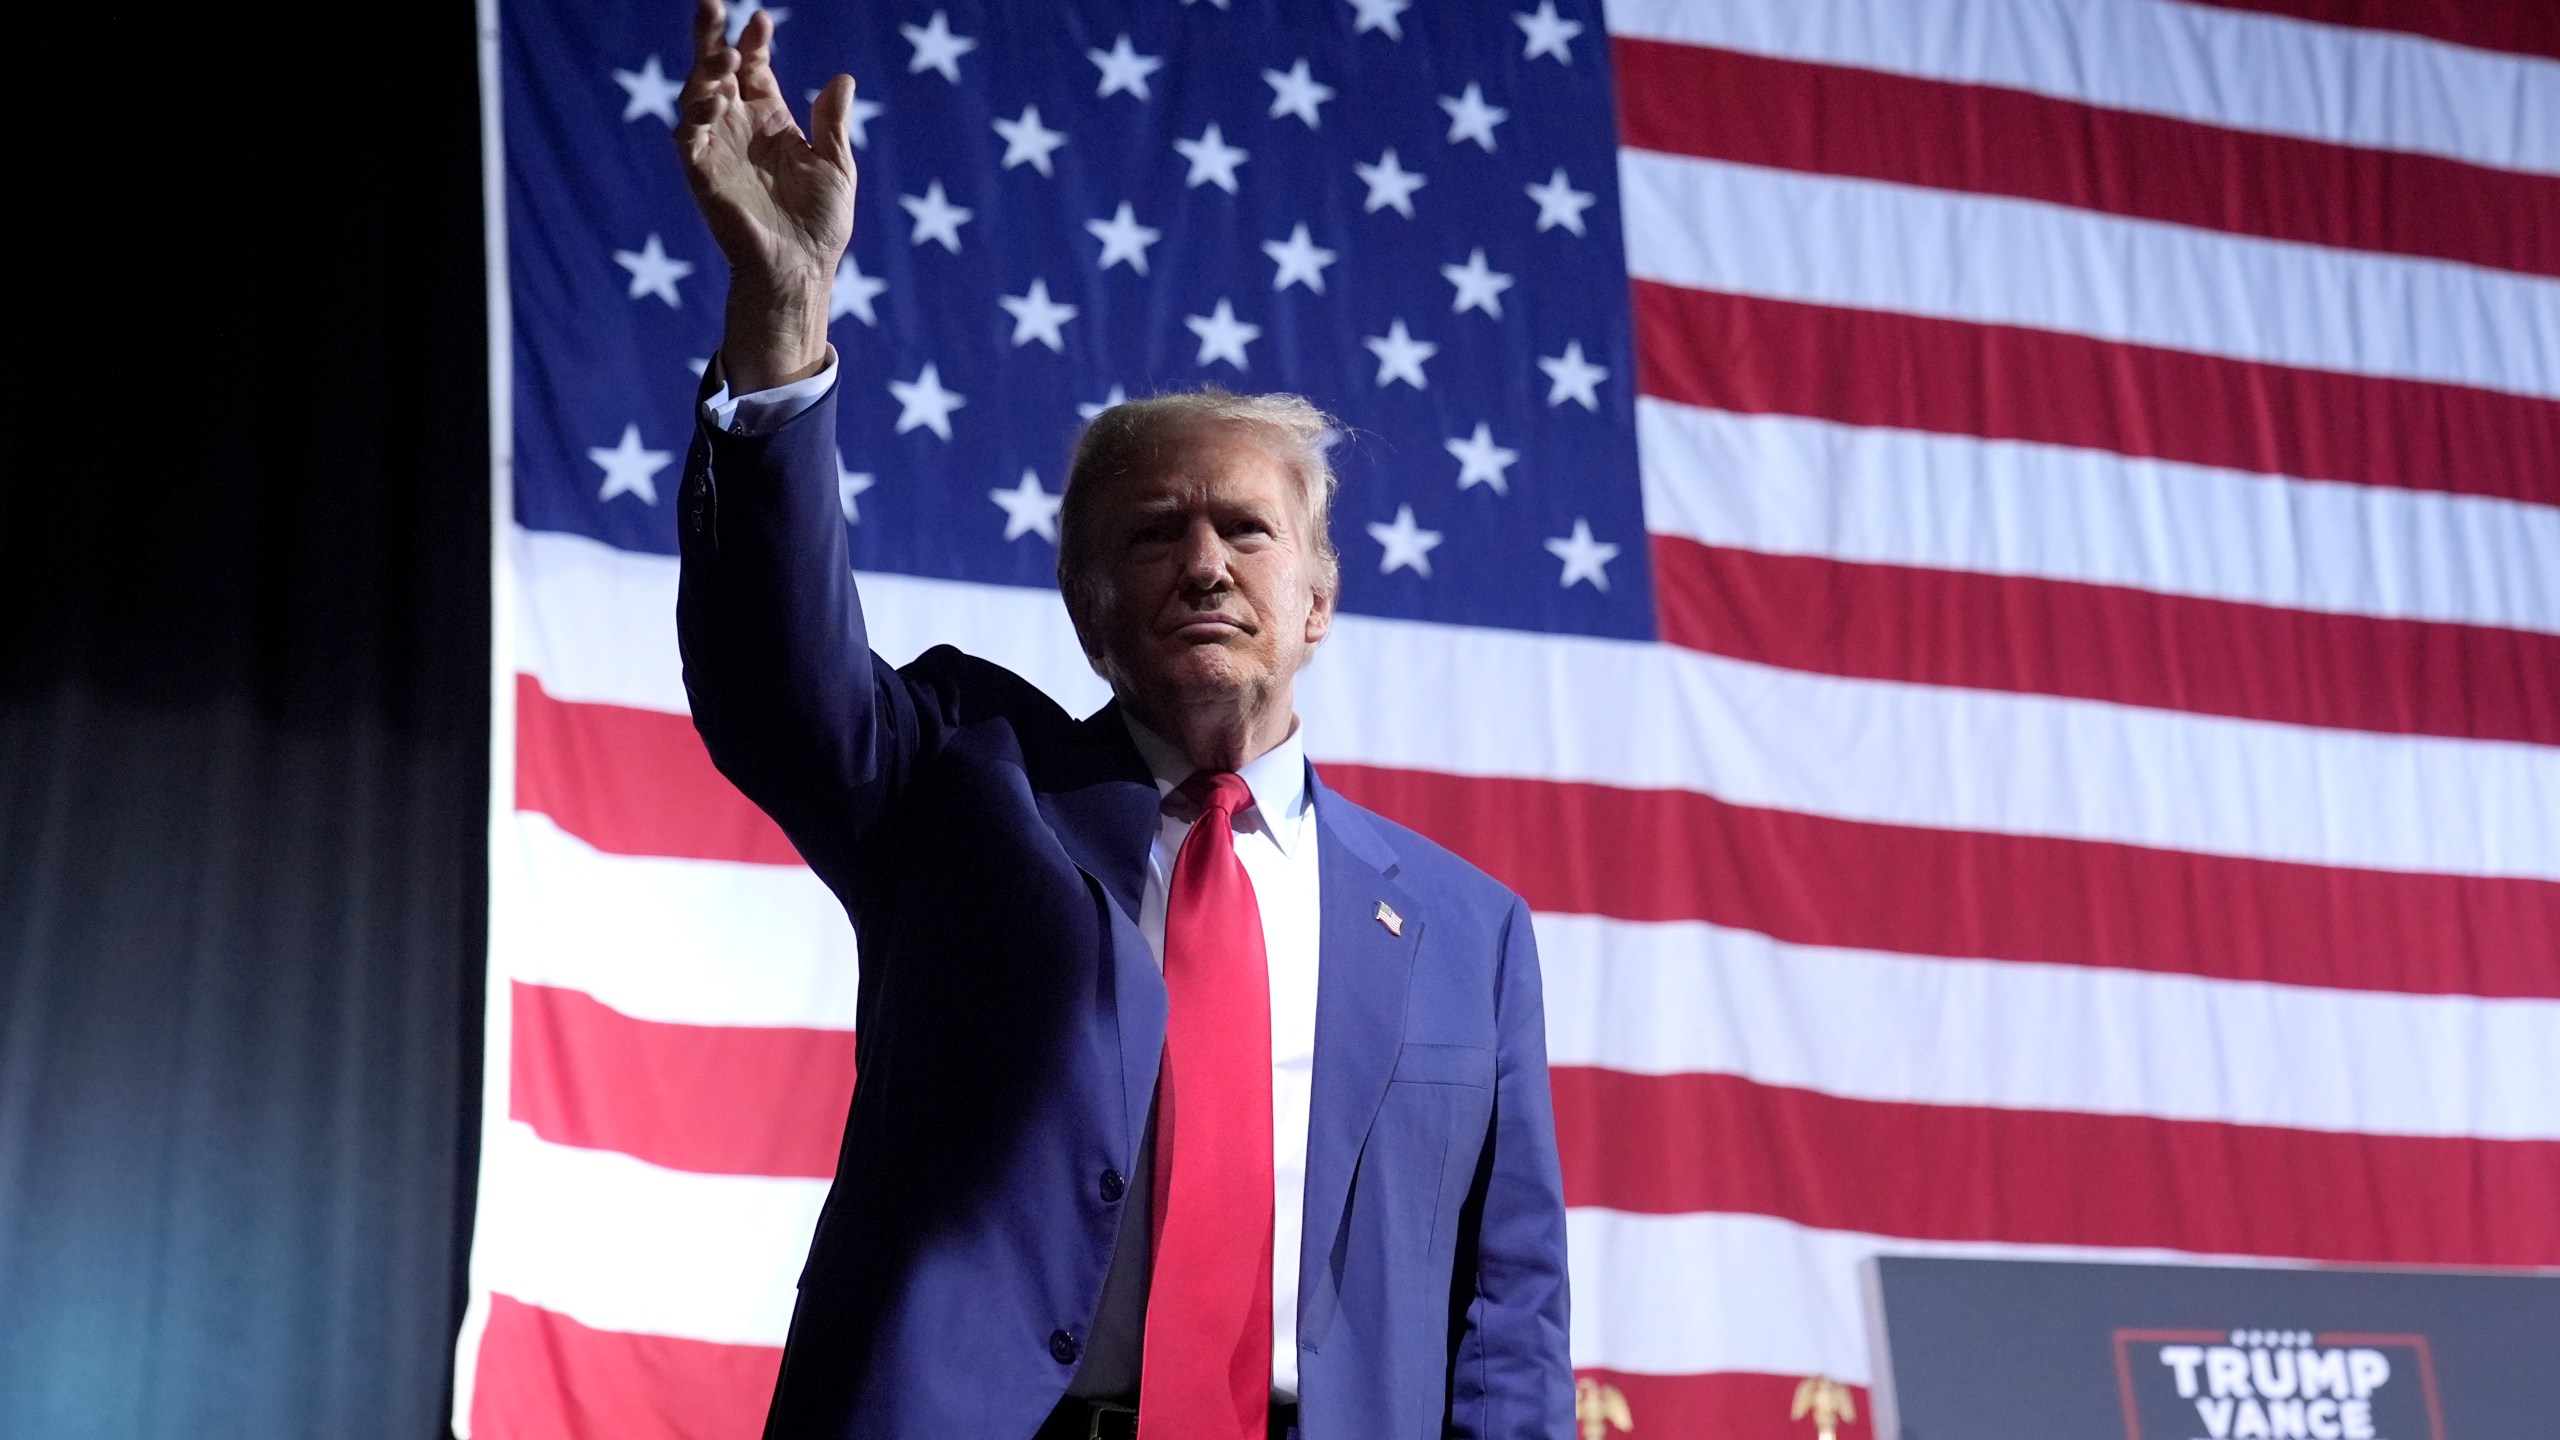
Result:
[{"x": 1175, "y": 505}]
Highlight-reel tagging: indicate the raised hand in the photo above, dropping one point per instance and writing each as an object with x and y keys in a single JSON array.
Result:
[{"x": 780, "y": 203}]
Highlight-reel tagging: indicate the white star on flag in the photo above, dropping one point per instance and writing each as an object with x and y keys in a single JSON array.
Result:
[
  {"x": 923, "y": 401},
  {"x": 1213, "y": 160},
  {"x": 1389, "y": 184},
  {"x": 858, "y": 119},
  {"x": 936, "y": 218},
  {"x": 1027, "y": 141},
  {"x": 1089, "y": 409},
  {"x": 853, "y": 293},
  {"x": 1037, "y": 317},
  {"x": 1300, "y": 260},
  {"x": 1559, "y": 203},
  {"x": 1548, "y": 34},
  {"x": 1481, "y": 462},
  {"x": 1472, "y": 119},
  {"x": 630, "y": 468},
  {"x": 1028, "y": 509},
  {"x": 1407, "y": 546},
  {"x": 1222, "y": 335},
  {"x": 1400, "y": 356},
  {"x": 1379, "y": 15},
  {"x": 1124, "y": 70},
  {"x": 849, "y": 486},
  {"x": 936, "y": 47},
  {"x": 1572, "y": 377},
  {"x": 653, "y": 271},
  {"x": 1296, "y": 92},
  {"x": 746, "y": 10},
  {"x": 1479, "y": 287},
  {"x": 651, "y": 92},
  {"x": 1584, "y": 558},
  {"x": 1123, "y": 238}
]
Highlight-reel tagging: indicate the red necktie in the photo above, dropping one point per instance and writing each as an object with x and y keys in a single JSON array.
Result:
[{"x": 1207, "y": 1373}]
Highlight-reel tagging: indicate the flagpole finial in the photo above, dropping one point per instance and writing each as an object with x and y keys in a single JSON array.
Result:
[
  {"x": 1827, "y": 1402},
  {"x": 1599, "y": 1407}
]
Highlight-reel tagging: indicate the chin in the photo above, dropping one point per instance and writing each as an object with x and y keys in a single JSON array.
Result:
[{"x": 1204, "y": 671}]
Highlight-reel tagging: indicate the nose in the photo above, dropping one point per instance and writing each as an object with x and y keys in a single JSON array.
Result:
[{"x": 1204, "y": 557}]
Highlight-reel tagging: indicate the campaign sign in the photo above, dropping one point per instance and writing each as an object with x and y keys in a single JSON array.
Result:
[
  {"x": 2268, "y": 1383},
  {"x": 1996, "y": 1349}
]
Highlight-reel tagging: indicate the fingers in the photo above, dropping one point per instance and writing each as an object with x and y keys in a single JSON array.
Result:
[
  {"x": 831, "y": 123},
  {"x": 710, "y": 29},
  {"x": 711, "y": 80},
  {"x": 756, "y": 80},
  {"x": 707, "y": 92}
]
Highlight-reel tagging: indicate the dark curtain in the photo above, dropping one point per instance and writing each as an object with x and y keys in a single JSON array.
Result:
[{"x": 243, "y": 699}]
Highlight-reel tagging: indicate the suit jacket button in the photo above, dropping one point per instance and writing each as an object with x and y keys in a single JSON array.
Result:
[
  {"x": 1113, "y": 1187},
  {"x": 1062, "y": 1347}
]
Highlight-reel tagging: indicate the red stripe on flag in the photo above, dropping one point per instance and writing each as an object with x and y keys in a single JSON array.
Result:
[
  {"x": 2006, "y": 382},
  {"x": 2105, "y": 642},
  {"x": 1674, "y": 855},
  {"x": 1728, "y": 1405},
  {"x": 2522, "y": 27},
  {"x": 1948, "y": 136},
  {"x": 544, "y": 1376},
  {"x": 1582, "y": 849},
  {"x": 715, "y": 1099},
  {"x": 634, "y": 782},
  {"x": 1665, "y": 1145}
]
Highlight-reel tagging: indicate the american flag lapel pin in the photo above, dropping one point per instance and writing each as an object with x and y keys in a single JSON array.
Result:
[{"x": 1388, "y": 917}]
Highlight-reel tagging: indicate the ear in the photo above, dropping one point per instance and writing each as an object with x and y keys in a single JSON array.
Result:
[{"x": 1319, "y": 617}]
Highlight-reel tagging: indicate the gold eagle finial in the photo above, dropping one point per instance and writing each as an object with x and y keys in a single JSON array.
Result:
[
  {"x": 1827, "y": 1401},
  {"x": 1598, "y": 1408}
]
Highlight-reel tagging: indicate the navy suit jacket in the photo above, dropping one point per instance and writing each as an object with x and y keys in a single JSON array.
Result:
[{"x": 991, "y": 849}]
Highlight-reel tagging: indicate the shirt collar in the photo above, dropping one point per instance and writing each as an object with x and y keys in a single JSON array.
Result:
[{"x": 1277, "y": 777}]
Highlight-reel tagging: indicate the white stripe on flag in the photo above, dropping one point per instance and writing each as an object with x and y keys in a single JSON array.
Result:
[
  {"x": 606, "y": 630},
  {"x": 1787, "y": 485},
  {"x": 1757, "y": 735},
  {"x": 1588, "y": 710},
  {"x": 1828, "y": 240},
  {"x": 700, "y": 942},
  {"x": 1690, "y": 1294},
  {"x": 1683, "y": 997},
  {"x": 595, "y": 623},
  {"x": 620, "y": 1244},
  {"x": 2201, "y": 63}
]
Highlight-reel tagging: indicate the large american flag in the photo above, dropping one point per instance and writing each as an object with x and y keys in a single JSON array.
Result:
[{"x": 1989, "y": 567}]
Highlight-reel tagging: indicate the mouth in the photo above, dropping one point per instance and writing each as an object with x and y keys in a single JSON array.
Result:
[{"x": 1208, "y": 629}]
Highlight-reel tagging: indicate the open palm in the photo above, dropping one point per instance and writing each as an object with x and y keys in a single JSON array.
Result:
[{"x": 779, "y": 203}]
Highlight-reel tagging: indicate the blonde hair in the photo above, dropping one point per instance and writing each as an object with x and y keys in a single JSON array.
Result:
[{"x": 1132, "y": 436}]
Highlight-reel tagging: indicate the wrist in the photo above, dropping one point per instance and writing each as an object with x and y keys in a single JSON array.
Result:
[{"x": 776, "y": 332}]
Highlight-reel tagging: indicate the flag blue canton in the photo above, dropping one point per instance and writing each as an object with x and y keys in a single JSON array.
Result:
[{"x": 1407, "y": 213}]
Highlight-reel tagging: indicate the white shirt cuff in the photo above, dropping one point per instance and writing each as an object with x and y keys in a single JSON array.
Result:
[{"x": 764, "y": 411}]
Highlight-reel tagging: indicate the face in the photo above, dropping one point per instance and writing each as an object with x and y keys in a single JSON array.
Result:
[{"x": 1208, "y": 573}]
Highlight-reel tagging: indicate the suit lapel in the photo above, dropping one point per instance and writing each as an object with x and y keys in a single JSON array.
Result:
[
  {"x": 1362, "y": 973},
  {"x": 1102, "y": 804}
]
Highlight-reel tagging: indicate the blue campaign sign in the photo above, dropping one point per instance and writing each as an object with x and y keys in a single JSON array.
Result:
[{"x": 2011, "y": 1349}]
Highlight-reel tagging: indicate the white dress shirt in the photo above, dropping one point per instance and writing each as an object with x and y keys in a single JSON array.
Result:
[
  {"x": 1276, "y": 840},
  {"x": 762, "y": 411}
]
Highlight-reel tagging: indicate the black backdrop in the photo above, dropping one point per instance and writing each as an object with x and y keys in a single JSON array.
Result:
[{"x": 243, "y": 697}]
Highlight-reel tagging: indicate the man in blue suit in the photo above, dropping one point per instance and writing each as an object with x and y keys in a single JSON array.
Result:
[{"x": 1196, "y": 1101}]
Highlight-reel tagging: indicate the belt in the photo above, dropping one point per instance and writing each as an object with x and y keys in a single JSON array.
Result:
[{"x": 1080, "y": 1419}]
